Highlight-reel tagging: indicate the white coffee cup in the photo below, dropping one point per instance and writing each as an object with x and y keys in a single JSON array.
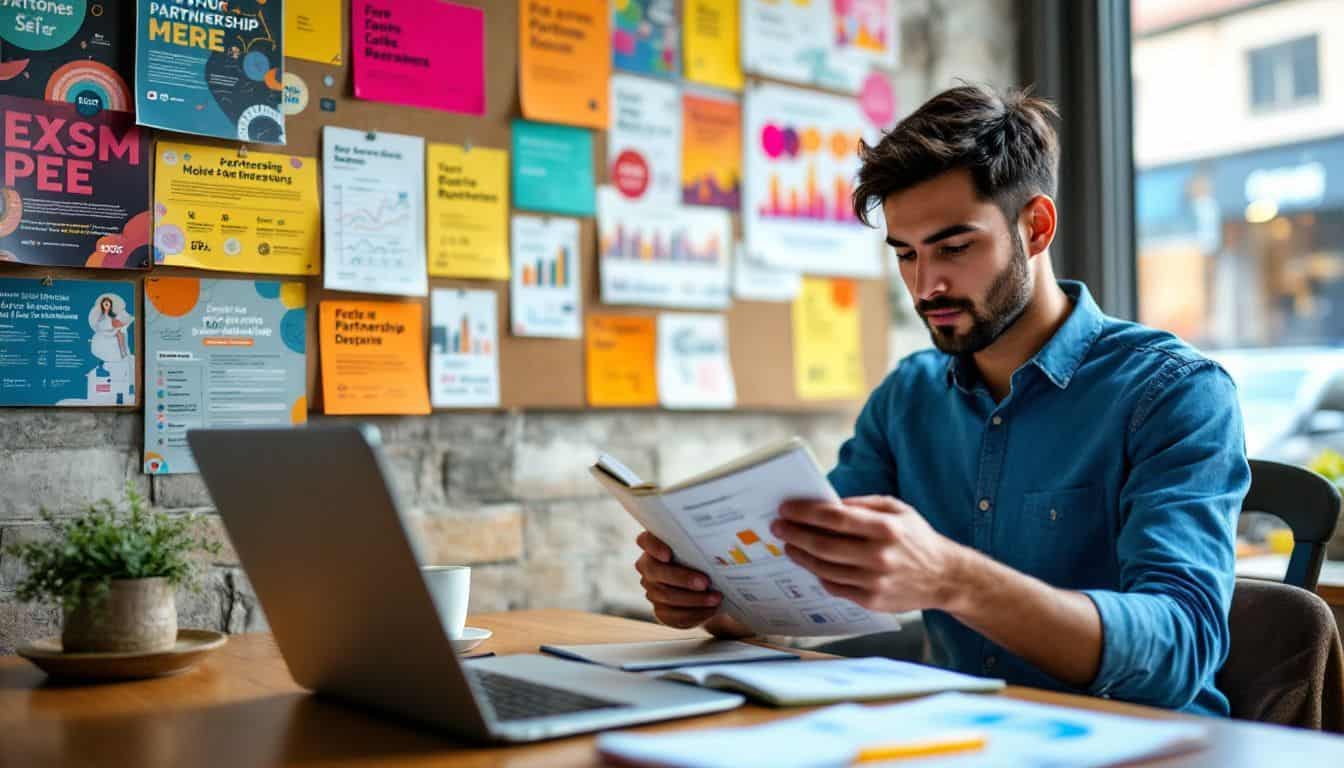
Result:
[{"x": 450, "y": 587}]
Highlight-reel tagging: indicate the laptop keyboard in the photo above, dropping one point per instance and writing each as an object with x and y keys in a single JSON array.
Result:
[{"x": 513, "y": 698}]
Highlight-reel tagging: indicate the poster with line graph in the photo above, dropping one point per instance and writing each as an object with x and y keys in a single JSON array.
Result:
[
  {"x": 464, "y": 349},
  {"x": 374, "y": 212},
  {"x": 801, "y": 162},
  {"x": 544, "y": 296},
  {"x": 667, "y": 256}
]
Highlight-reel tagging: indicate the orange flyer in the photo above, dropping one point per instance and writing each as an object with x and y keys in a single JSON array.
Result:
[
  {"x": 711, "y": 152},
  {"x": 564, "y": 49},
  {"x": 622, "y": 361},
  {"x": 373, "y": 357}
]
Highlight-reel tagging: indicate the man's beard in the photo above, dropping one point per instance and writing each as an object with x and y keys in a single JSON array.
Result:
[{"x": 1008, "y": 297}]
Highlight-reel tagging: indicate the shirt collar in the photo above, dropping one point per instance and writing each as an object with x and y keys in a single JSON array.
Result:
[{"x": 1062, "y": 354}]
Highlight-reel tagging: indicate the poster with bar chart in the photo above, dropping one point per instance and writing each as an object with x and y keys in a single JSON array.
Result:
[
  {"x": 666, "y": 256},
  {"x": 801, "y": 161},
  {"x": 544, "y": 296},
  {"x": 373, "y": 212},
  {"x": 463, "y": 349}
]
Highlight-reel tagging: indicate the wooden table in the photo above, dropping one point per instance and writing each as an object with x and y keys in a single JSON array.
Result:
[{"x": 240, "y": 708}]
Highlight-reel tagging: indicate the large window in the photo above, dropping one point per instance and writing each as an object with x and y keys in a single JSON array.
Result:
[{"x": 1239, "y": 200}]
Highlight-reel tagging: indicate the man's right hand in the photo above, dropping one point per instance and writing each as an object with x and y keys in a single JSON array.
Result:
[{"x": 681, "y": 597}]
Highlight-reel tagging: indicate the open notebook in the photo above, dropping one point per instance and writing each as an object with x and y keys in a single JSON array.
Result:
[{"x": 719, "y": 523}]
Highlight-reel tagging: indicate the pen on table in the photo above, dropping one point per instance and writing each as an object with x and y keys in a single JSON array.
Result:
[{"x": 961, "y": 741}]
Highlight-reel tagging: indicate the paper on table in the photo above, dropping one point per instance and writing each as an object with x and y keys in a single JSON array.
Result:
[
  {"x": 1020, "y": 734},
  {"x": 664, "y": 654}
]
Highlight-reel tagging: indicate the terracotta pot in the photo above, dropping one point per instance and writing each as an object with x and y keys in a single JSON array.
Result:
[{"x": 135, "y": 615}]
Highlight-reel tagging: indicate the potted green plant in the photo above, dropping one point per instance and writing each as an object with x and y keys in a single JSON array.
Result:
[
  {"x": 114, "y": 572},
  {"x": 1330, "y": 465}
]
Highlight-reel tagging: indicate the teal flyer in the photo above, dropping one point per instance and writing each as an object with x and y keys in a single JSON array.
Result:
[
  {"x": 553, "y": 168},
  {"x": 67, "y": 343},
  {"x": 211, "y": 67},
  {"x": 220, "y": 354}
]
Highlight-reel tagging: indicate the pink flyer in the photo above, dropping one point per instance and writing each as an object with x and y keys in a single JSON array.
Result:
[{"x": 421, "y": 53}]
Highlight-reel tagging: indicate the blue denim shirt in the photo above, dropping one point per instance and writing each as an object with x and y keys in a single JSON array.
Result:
[{"x": 1116, "y": 466}]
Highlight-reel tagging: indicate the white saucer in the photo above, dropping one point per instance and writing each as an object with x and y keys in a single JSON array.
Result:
[{"x": 471, "y": 637}]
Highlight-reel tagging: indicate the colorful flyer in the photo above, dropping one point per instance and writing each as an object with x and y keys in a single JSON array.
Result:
[
  {"x": 827, "y": 353},
  {"x": 552, "y": 168},
  {"x": 711, "y": 152},
  {"x": 373, "y": 210},
  {"x": 212, "y": 67},
  {"x": 801, "y": 161},
  {"x": 795, "y": 41},
  {"x": 464, "y": 349},
  {"x": 757, "y": 281},
  {"x": 68, "y": 343},
  {"x": 662, "y": 256},
  {"x": 711, "y": 43},
  {"x": 645, "y": 37},
  {"x": 644, "y": 143},
  {"x": 621, "y": 360},
  {"x": 74, "y": 51},
  {"x": 421, "y": 53},
  {"x": 219, "y": 209},
  {"x": 544, "y": 297},
  {"x": 220, "y": 354},
  {"x": 468, "y": 212},
  {"x": 75, "y": 189},
  {"x": 313, "y": 32},
  {"x": 373, "y": 357},
  {"x": 564, "y": 61},
  {"x": 867, "y": 29},
  {"x": 693, "y": 367}
]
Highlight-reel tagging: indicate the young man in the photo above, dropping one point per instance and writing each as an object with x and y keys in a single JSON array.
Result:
[{"x": 1055, "y": 489}]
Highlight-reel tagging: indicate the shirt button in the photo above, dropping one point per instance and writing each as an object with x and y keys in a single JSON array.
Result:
[
  {"x": 1054, "y": 514},
  {"x": 984, "y": 505},
  {"x": 997, "y": 420}
]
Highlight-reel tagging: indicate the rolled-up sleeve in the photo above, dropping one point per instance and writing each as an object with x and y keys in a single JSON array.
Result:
[
  {"x": 1165, "y": 633},
  {"x": 866, "y": 464}
]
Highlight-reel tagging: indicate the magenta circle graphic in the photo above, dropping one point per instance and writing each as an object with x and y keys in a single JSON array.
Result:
[{"x": 772, "y": 141}]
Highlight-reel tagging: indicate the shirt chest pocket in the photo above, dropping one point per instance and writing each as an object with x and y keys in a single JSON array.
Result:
[{"x": 1064, "y": 539}]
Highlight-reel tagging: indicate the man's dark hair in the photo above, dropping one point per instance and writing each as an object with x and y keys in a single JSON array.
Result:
[{"x": 1006, "y": 141}]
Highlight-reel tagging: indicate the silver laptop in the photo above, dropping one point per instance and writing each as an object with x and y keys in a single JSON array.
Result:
[{"x": 317, "y": 530}]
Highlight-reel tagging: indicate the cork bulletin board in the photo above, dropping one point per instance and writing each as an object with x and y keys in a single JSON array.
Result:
[{"x": 535, "y": 373}]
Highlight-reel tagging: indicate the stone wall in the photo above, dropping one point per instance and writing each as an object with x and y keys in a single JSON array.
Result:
[{"x": 507, "y": 493}]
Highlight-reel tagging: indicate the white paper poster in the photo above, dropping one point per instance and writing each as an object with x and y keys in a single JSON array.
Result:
[
  {"x": 796, "y": 41},
  {"x": 693, "y": 366},
  {"x": 867, "y": 30},
  {"x": 801, "y": 162},
  {"x": 644, "y": 143},
  {"x": 463, "y": 349},
  {"x": 544, "y": 296},
  {"x": 373, "y": 209},
  {"x": 758, "y": 281},
  {"x": 667, "y": 256}
]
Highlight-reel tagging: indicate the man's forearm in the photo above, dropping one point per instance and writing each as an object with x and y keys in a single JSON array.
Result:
[{"x": 1057, "y": 630}]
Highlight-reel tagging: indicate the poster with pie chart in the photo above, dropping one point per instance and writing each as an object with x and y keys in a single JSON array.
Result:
[
  {"x": 83, "y": 57},
  {"x": 213, "y": 71}
]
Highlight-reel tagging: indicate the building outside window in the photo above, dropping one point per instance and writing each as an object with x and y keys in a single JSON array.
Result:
[{"x": 1239, "y": 201}]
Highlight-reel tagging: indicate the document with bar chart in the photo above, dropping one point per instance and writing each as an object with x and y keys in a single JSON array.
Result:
[
  {"x": 463, "y": 349},
  {"x": 544, "y": 296},
  {"x": 374, "y": 212},
  {"x": 801, "y": 160},
  {"x": 719, "y": 523},
  {"x": 662, "y": 256}
]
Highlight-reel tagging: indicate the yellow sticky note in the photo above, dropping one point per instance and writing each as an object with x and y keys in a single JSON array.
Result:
[
  {"x": 468, "y": 212},
  {"x": 215, "y": 208},
  {"x": 827, "y": 345},
  {"x": 313, "y": 31},
  {"x": 373, "y": 357},
  {"x": 710, "y": 31},
  {"x": 564, "y": 61},
  {"x": 622, "y": 358}
]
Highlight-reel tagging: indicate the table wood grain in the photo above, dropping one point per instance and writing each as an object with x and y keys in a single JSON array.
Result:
[{"x": 241, "y": 708}]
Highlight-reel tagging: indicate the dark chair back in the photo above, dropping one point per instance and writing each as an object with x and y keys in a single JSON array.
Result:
[{"x": 1307, "y": 502}]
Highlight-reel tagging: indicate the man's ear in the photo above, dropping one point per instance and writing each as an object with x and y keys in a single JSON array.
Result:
[{"x": 1038, "y": 220}]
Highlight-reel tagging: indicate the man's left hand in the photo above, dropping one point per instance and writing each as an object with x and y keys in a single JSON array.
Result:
[{"x": 876, "y": 551}]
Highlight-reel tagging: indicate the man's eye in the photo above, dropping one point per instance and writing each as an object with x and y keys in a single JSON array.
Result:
[
  {"x": 905, "y": 255},
  {"x": 954, "y": 249}
]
